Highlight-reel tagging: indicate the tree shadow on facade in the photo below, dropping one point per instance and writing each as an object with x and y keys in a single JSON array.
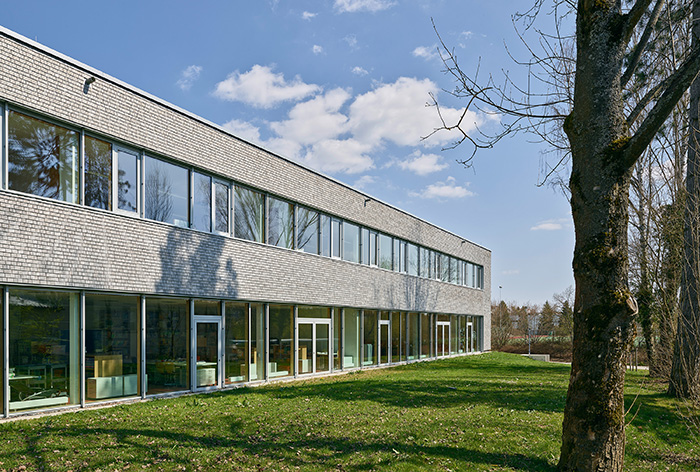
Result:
[{"x": 195, "y": 264}]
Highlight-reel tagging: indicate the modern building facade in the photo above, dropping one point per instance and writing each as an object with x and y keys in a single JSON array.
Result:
[{"x": 145, "y": 251}]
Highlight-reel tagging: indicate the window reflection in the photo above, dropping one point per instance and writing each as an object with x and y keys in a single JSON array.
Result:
[
  {"x": 385, "y": 252},
  {"x": 167, "y": 346},
  {"x": 281, "y": 341},
  {"x": 307, "y": 230},
  {"x": 280, "y": 223},
  {"x": 98, "y": 173},
  {"x": 201, "y": 217},
  {"x": 42, "y": 158},
  {"x": 351, "y": 242},
  {"x": 127, "y": 180},
  {"x": 236, "y": 342},
  {"x": 167, "y": 195},
  {"x": 221, "y": 203},
  {"x": 249, "y": 214},
  {"x": 351, "y": 340},
  {"x": 370, "y": 338}
]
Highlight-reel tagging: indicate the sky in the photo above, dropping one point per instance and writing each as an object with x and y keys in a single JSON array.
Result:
[{"x": 341, "y": 86}]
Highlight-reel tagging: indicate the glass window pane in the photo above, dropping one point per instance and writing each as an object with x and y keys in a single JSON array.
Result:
[
  {"x": 42, "y": 158},
  {"x": 167, "y": 341},
  {"x": 453, "y": 270},
  {"x": 460, "y": 271},
  {"x": 111, "y": 346},
  {"x": 365, "y": 245},
  {"x": 425, "y": 335},
  {"x": 370, "y": 338},
  {"x": 351, "y": 338},
  {"x": 397, "y": 255},
  {"x": 351, "y": 242},
  {"x": 98, "y": 173},
  {"x": 307, "y": 230},
  {"x": 236, "y": 343},
  {"x": 201, "y": 218},
  {"x": 127, "y": 180},
  {"x": 336, "y": 339},
  {"x": 249, "y": 215},
  {"x": 257, "y": 342},
  {"x": 313, "y": 312},
  {"x": 221, "y": 207},
  {"x": 325, "y": 235},
  {"x": 373, "y": 248},
  {"x": 444, "y": 268},
  {"x": 424, "y": 262},
  {"x": 281, "y": 341},
  {"x": 44, "y": 349},
  {"x": 413, "y": 339},
  {"x": 281, "y": 223},
  {"x": 396, "y": 336},
  {"x": 207, "y": 308},
  {"x": 167, "y": 194},
  {"x": 454, "y": 334},
  {"x": 335, "y": 234},
  {"x": 385, "y": 252},
  {"x": 2, "y": 356}
]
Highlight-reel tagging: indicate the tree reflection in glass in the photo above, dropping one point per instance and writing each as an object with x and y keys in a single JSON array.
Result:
[
  {"x": 307, "y": 230},
  {"x": 221, "y": 203},
  {"x": 280, "y": 223},
  {"x": 166, "y": 192},
  {"x": 201, "y": 219},
  {"x": 249, "y": 214},
  {"x": 98, "y": 173}
]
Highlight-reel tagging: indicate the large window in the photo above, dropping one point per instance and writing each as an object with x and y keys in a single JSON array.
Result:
[
  {"x": 98, "y": 173},
  {"x": 44, "y": 349},
  {"x": 249, "y": 215},
  {"x": 111, "y": 346},
  {"x": 222, "y": 207},
  {"x": 201, "y": 216},
  {"x": 424, "y": 262},
  {"x": 412, "y": 257},
  {"x": 236, "y": 343},
  {"x": 351, "y": 242},
  {"x": 280, "y": 230},
  {"x": 444, "y": 267},
  {"x": 335, "y": 237},
  {"x": 167, "y": 194},
  {"x": 351, "y": 338},
  {"x": 336, "y": 339},
  {"x": 167, "y": 345},
  {"x": 307, "y": 230},
  {"x": 281, "y": 341},
  {"x": 425, "y": 335},
  {"x": 413, "y": 349},
  {"x": 256, "y": 367},
  {"x": 325, "y": 235},
  {"x": 385, "y": 252},
  {"x": 370, "y": 338},
  {"x": 127, "y": 180},
  {"x": 396, "y": 336},
  {"x": 42, "y": 158}
]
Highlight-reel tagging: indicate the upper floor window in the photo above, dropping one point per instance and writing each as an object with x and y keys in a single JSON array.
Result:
[
  {"x": 249, "y": 215},
  {"x": 351, "y": 242},
  {"x": 222, "y": 207},
  {"x": 201, "y": 214},
  {"x": 98, "y": 173},
  {"x": 280, "y": 231},
  {"x": 307, "y": 230},
  {"x": 167, "y": 192},
  {"x": 42, "y": 158},
  {"x": 412, "y": 258},
  {"x": 385, "y": 252}
]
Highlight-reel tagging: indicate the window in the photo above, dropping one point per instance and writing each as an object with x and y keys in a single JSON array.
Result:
[
  {"x": 396, "y": 337},
  {"x": 460, "y": 271},
  {"x": 369, "y": 346},
  {"x": 373, "y": 248},
  {"x": 413, "y": 338},
  {"x": 98, "y": 173},
  {"x": 167, "y": 339},
  {"x": 167, "y": 195},
  {"x": 351, "y": 242},
  {"x": 280, "y": 230},
  {"x": 127, "y": 180},
  {"x": 425, "y": 335},
  {"x": 249, "y": 215},
  {"x": 453, "y": 270},
  {"x": 44, "y": 349},
  {"x": 385, "y": 252},
  {"x": 433, "y": 262},
  {"x": 399, "y": 255},
  {"x": 335, "y": 237},
  {"x": 111, "y": 346},
  {"x": 201, "y": 217},
  {"x": 281, "y": 341},
  {"x": 412, "y": 251},
  {"x": 307, "y": 230},
  {"x": 221, "y": 207},
  {"x": 257, "y": 342},
  {"x": 364, "y": 238},
  {"x": 351, "y": 340},
  {"x": 444, "y": 269},
  {"x": 236, "y": 342},
  {"x": 325, "y": 235},
  {"x": 42, "y": 158}
]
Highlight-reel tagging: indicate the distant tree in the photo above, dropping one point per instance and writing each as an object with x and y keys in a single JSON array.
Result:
[
  {"x": 501, "y": 325},
  {"x": 547, "y": 318}
]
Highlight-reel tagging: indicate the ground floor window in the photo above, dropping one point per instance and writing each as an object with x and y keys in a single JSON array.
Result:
[
  {"x": 369, "y": 350},
  {"x": 236, "y": 343},
  {"x": 412, "y": 349},
  {"x": 167, "y": 345},
  {"x": 351, "y": 340},
  {"x": 281, "y": 341}
]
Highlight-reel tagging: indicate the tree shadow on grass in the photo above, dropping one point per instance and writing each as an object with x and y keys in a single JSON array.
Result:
[{"x": 151, "y": 447}]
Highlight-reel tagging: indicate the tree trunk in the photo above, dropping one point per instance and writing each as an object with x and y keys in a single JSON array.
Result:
[
  {"x": 685, "y": 372},
  {"x": 593, "y": 436}
]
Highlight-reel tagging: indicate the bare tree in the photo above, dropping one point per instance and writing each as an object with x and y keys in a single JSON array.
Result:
[{"x": 605, "y": 143}]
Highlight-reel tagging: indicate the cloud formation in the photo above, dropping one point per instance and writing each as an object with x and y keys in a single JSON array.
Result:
[
  {"x": 447, "y": 189},
  {"x": 551, "y": 225},
  {"x": 188, "y": 77},
  {"x": 423, "y": 164},
  {"x": 307, "y": 15},
  {"x": 352, "y": 6},
  {"x": 317, "y": 49},
  {"x": 357, "y": 70},
  {"x": 426, "y": 52},
  {"x": 262, "y": 88}
]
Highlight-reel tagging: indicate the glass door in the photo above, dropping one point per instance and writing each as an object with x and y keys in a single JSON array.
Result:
[
  {"x": 384, "y": 342},
  {"x": 206, "y": 364},
  {"x": 313, "y": 346}
]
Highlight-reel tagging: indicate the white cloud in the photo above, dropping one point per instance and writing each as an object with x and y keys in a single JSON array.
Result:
[
  {"x": 364, "y": 181},
  {"x": 188, "y": 77},
  {"x": 426, "y": 52},
  {"x": 307, "y": 15},
  {"x": 423, "y": 164},
  {"x": 262, "y": 88},
  {"x": 317, "y": 49},
  {"x": 397, "y": 112},
  {"x": 357, "y": 70},
  {"x": 511, "y": 272},
  {"x": 351, "y": 6},
  {"x": 447, "y": 189},
  {"x": 243, "y": 130},
  {"x": 334, "y": 155},
  {"x": 351, "y": 40},
  {"x": 551, "y": 225},
  {"x": 315, "y": 120}
]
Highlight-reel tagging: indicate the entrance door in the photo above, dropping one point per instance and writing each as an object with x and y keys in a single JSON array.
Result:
[
  {"x": 313, "y": 345},
  {"x": 443, "y": 338},
  {"x": 470, "y": 337},
  {"x": 207, "y": 352},
  {"x": 384, "y": 337}
]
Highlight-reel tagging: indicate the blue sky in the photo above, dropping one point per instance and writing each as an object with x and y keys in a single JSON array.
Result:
[{"x": 341, "y": 86}]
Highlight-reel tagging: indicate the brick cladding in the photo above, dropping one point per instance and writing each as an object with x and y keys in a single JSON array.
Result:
[{"x": 71, "y": 248}]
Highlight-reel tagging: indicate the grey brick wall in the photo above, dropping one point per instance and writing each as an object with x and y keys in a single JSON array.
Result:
[{"x": 54, "y": 244}]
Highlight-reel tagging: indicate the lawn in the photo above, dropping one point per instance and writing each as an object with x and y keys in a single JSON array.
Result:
[{"x": 486, "y": 412}]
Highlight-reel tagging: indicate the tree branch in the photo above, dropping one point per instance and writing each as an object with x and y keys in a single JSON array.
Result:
[
  {"x": 639, "y": 48},
  {"x": 650, "y": 96},
  {"x": 632, "y": 18},
  {"x": 673, "y": 89}
]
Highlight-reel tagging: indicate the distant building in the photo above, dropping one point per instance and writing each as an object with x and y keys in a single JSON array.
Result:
[{"x": 146, "y": 251}]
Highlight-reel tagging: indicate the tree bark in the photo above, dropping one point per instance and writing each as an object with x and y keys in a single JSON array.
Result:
[
  {"x": 593, "y": 436},
  {"x": 685, "y": 371}
]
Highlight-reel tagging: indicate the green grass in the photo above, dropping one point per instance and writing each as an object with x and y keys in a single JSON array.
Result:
[{"x": 487, "y": 412}]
